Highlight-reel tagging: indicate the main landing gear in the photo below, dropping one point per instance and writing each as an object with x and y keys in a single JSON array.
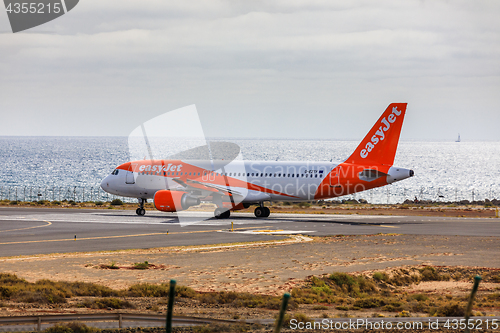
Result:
[
  {"x": 221, "y": 213},
  {"x": 141, "y": 211},
  {"x": 262, "y": 211}
]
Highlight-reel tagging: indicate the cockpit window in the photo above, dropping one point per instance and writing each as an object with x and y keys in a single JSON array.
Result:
[{"x": 115, "y": 172}]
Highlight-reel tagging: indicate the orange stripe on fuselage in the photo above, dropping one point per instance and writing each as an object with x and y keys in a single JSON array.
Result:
[{"x": 184, "y": 171}]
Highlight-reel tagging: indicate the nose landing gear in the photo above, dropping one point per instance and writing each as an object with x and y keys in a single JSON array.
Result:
[{"x": 141, "y": 211}]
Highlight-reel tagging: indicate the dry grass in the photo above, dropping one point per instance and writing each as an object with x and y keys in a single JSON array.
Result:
[
  {"x": 377, "y": 291},
  {"x": 385, "y": 291},
  {"x": 106, "y": 303}
]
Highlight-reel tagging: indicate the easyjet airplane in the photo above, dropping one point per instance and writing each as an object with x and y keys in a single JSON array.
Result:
[{"x": 177, "y": 184}]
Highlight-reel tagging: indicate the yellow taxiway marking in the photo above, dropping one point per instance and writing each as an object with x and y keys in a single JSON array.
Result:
[
  {"x": 268, "y": 230},
  {"x": 380, "y": 225},
  {"x": 37, "y": 226},
  {"x": 120, "y": 236}
]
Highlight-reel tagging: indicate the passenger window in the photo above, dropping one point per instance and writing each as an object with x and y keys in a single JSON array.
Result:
[{"x": 262, "y": 175}]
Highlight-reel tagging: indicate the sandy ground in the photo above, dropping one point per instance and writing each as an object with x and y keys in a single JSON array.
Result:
[{"x": 266, "y": 268}]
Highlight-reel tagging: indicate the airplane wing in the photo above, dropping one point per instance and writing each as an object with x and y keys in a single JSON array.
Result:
[{"x": 194, "y": 185}]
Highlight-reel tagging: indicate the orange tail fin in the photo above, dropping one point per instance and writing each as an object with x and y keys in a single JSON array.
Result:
[{"x": 380, "y": 144}]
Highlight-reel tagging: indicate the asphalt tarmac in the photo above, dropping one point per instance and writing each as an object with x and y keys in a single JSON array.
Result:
[{"x": 30, "y": 231}]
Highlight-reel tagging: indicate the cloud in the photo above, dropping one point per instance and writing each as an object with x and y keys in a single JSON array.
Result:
[{"x": 257, "y": 65}]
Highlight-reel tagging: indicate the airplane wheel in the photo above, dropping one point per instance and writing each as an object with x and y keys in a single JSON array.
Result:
[
  {"x": 137, "y": 211},
  {"x": 221, "y": 213},
  {"x": 260, "y": 212},
  {"x": 141, "y": 211},
  {"x": 267, "y": 212}
]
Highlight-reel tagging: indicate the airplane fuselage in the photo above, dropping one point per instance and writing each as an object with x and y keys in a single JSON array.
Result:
[
  {"x": 258, "y": 180},
  {"x": 178, "y": 184}
]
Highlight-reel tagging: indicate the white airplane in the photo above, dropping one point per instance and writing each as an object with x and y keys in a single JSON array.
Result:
[{"x": 177, "y": 184}]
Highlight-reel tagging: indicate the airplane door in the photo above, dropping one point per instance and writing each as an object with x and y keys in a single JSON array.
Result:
[{"x": 130, "y": 178}]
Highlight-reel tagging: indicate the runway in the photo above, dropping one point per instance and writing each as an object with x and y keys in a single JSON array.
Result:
[{"x": 30, "y": 231}]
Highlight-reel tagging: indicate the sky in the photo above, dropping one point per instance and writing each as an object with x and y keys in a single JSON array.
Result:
[{"x": 309, "y": 69}]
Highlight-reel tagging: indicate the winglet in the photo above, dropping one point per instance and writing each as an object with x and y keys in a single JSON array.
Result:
[{"x": 380, "y": 144}]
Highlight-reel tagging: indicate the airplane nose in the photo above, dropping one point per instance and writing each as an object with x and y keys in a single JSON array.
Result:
[
  {"x": 412, "y": 173},
  {"x": 104, "y": 183}
]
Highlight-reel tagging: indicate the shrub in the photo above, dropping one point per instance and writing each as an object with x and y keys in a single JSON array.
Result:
[
  {"x": 244, "y": 300},
  {"x": 183, "y": 291},
  {"x": 99, "y": 203},
  {"x": 89, "y": 289},
  {"x": 393, "y": 307},
  {"x": 116, "y": 202},
  {"x": 313, "y": 295},
  {"x": 342, "y": 279},
  {"x": 112, "y": 265},
  {"x": 449, "y": 310},
  {"x": 45, "y": 291},
  {"x": 320, "y": 307},
  {"x": 106, "y": 303},
  {"x": 141, "y": 265},
  {"x": 159, "y": 290},
  {"x": 365, "y": 285},
  {"x": 319, "y": 286},
  {"x": 368, "y": 303},
  {"x": 379, "y": 276},
  {"x": 429, "y": 274},
  {"x": 149, "y": 290},
  {"x": 345, "y": 282}
]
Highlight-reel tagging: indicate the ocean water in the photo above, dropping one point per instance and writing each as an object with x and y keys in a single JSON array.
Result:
[{"x": 72, "y": 167}]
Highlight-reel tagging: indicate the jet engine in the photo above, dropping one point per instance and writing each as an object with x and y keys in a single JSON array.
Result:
[{"x": 173, "y": 201}]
